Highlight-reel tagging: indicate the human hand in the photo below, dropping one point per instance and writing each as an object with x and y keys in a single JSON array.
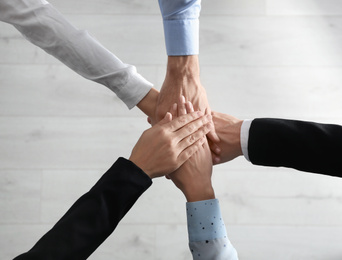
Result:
[
  {"x": 228, "y": 129},
  {"x": 167, "y": 145},
  {"x": 149, "y": 103},
  {"x": 193, "y": 178},
  {"x": 182, "y": 78}
]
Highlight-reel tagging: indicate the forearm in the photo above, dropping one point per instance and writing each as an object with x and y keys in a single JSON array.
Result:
[
  {"x": 149, "y": 102},
  {"x": 305, "y": 146},
  {"x": 46, "y": 28},
  {"x": 194, "y": 177},
  {"x": 198, "y": 190},
  {"x": 94, "y": 216}
]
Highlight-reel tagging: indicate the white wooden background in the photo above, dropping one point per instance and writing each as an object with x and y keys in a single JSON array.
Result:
[{"x": 60, "y": 132}]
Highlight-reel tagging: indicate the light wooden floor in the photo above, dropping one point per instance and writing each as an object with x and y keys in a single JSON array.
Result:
[{"x": 259, "y": 58}]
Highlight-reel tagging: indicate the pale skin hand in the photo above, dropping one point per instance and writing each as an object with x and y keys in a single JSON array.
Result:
[
  {"x": 149, "y": 102},
  {"x": 183, "y": 78},
  {"x": 194, "y": 177},
  {"x": 228, "y": 129},
  {"x": 167, "y": 145}
]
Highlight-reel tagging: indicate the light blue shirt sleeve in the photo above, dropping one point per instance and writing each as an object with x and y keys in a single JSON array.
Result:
[
  {"x": 181, "y": 26},
  {"x": 208, "y": 238}
]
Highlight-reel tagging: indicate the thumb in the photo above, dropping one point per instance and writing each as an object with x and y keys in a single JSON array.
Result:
[
  {"x": 149, "y": 120},
  {"x": 167, "y": 119}
]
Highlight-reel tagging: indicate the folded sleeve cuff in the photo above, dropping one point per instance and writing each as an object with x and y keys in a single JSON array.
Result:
[
  {"x": 218, "y": 249},
  {"x": 205, "y": 221},
  {"x": 181, "y": 37},
  {"x": 244, "y": 136},
  {"x": 135, "y": 89}
]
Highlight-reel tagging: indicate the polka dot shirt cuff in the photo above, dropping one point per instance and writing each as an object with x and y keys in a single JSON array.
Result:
[{"x": 205, "y": 221}]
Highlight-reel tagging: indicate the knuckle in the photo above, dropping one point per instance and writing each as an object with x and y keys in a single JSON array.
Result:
[
  {"x": 169, "y": 144},
  {"x": 182, "y": 120},
  {"x": 193, "y": 115},
  {"x": 191, "y": 139},
  {"x": 163, "y": 134},
  {"x": 190, "y": 128},
  {"x": 203, "y": 131},
  {"x": 174, "y": 159},
  {"x": 205, "y": 120},
  {"x": 187, "y": 154},
  {"x": 208, "y": 127}
]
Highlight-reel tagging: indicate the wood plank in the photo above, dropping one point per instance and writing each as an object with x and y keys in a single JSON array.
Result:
[
  {"x": 135, "y": 39},
  {"x": 55, "y": 90},
  {"x": 66, "y": 143},
  {"x": 117, "y": 7},
  {"x": 246, "y": 198},
  {"x": 128, "y": 242},
  {"x": 17, "y": 239},
  {"x": 303, "y": 7},
  {"x": 272, "y": 182},
  {"x": 20, "y": 196},
  {"x": 233, "y": 41},
  {"x": 294, "y": 92},
  {"x": 270, "y": 41},
  {"x": 285, "y": 243},
  {"x": 111, "y": 7},
  {"x": 251, "y": 242}
]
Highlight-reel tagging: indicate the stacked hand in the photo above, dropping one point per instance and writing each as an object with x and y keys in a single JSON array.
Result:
[
  {"x": 194, "y": 177},
  {"x": 172, "y": 149},
  {"x": 228, "y": 129},
  {"x": 167, "y": 145},
  {"x": 182, "y": 78}
]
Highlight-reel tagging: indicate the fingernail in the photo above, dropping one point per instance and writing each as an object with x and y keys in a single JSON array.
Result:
[
  {"x": 174, "y": 107},
  {"x": 191, "y": 107},
  {"x": 217, "y": 150},
  {"x": 209, "y": 117},
  {"x": 183, "y": 99},
  {"x": 217, "y": 159}
]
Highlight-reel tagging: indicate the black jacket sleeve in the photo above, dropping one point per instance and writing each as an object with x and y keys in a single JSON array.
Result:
[
  {"x": 305, "y": 146},
  {"x": 94, "y": 216}
]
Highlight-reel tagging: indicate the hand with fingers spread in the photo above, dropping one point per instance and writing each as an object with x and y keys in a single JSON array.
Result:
[
  {"x": 193, "y": 178},
  {"x": 167, "y": 145}
]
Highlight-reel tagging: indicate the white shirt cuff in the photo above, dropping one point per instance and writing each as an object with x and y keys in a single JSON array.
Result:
[
  {"x": 204, "y": 220},
  {"x": 134, "y": 90},
  {"x": 244, "y": 135}
]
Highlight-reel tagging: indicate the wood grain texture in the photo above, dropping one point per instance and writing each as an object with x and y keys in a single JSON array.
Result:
[
  {"x": 304, "y": 7},
  {"x": 259, "y": 58}
]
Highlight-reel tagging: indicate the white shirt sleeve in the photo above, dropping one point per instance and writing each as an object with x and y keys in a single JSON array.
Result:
[
  {"x": 244, "y": 135},
  {"x": 40, "y": 23}
]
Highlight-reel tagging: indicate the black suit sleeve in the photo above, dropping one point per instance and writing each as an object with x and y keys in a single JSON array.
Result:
[
  {"x": 305, "y": 146},
  {"x": 94, "y": 216}
]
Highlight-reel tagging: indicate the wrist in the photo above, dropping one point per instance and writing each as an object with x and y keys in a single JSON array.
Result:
[
  {"x": 142, "y": 167},
  {"x": 148, "y": 104},
  {"x": 183, "y": 66},
  {"x": 198, "y": 194},
  {"x": 237, "y": 137}
]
